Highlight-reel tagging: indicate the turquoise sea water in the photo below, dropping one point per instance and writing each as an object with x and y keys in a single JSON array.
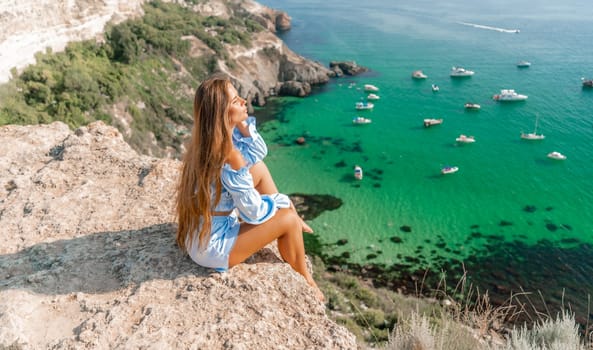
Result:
[{"x": 509, "y": 208}]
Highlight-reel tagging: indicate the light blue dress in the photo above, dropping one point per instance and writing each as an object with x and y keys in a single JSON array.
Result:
[{"x": 239, "y": 195}]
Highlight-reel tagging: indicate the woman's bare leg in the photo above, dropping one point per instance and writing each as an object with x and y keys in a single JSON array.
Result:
[
  {"x": 285, "y": 226},
  {"x": 264, "y": 184},
  {"x": 262, "y": 179}
]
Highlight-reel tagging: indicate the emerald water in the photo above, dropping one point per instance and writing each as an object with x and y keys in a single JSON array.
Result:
[{"x": 508, "y": 205}]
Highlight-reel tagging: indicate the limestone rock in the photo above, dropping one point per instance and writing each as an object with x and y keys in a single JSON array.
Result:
[
  {"x": 282, "y": 22},
  {"x": 89, "y": 259}
]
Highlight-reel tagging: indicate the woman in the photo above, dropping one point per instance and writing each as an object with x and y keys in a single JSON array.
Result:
[{"x": 228, "y": 206}]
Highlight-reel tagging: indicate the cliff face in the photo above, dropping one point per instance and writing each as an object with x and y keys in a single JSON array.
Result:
[
  {"x": 88, "y": 258},
  {"x": 259, "y": 70},
  {"x": 30, "y": 26}
]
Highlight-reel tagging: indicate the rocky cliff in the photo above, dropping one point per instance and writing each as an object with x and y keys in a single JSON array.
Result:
[
  {"x": 259, "y": 70},
  {"x": 88, "y": 258}
]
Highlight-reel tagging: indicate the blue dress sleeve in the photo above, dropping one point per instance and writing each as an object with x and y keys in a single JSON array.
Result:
[
  {"x": 253, "y": 207},
  {"x": 253, "y": 148}
]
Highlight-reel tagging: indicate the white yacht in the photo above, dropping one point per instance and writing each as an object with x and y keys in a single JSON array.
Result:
[
  {"x": 361, "y": 120},
  {"x": 533, "y": 135},
  {"x": 461, "y": 72},
  {"x": 357, "y": 172},
  {"x": 449, "y": 170},
  {"x": 373, "y": 97},
  {"x": 428, "y": 122},
  {"x": 369, "y": 87},
  {"x": 465, "y": 139},
  {"x": 556, "y": 155},
  {"x": 364, "y": 105},
  {"x": 417, "y": 74},
  {"x": 509, "y": 95}
]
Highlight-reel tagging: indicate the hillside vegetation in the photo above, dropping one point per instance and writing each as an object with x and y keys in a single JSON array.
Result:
[{"x": 140, "y": 78}]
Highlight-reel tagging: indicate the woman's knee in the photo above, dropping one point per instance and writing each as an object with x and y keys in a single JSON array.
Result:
[{"x": 288, "y": 217}]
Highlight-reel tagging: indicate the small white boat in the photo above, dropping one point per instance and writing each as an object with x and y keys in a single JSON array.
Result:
[
  {"x": 435, "y": 87},
  {"x": 471, "y": 105},
  {"x": 524, "y": 64},
  {"x": 431, "y": 121},
  {"x": 417, "y": 74},
  {"x": 509, "y": 95},
  {"x": 364, "y": 105},
  {"x": 449, "y": 170},
  {"x": 369, "y": 87},
  {"x": 461, "y": 72},
  {"x": 465, "y": 139},
  {"x": 361, "y": 120},
  {"x": 556, "y": 155},
  {"x": 357, "y": 172},
  {"x": 373, "y": 97},
  {"x": 533, "y": 135}
]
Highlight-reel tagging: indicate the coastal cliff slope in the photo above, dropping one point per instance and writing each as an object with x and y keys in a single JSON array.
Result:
[
  {"x": 259, "y": 70},
  {"x": 89, "y": 259},
  {"x": 30, "y": 26}
]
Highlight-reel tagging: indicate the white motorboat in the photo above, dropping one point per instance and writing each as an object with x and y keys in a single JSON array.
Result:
[
  {"x": 361, "y": 120},
  {"x": 435, "y": 87},
  {"x": 417, "y": 74},
  {"x": 509, "y": 95},
  {"x": 373, "y": 97},
  {"x": 449, "y": 170},
  {"x": 556, "y": 155},
  {"x": 461, "y": 72},
  {"x": 465, "y": 139},
  {"x": 471, "y": 105},
  {"x": 357, "y": 172},
  {"x": 533, "y": 135},
  {"x": 432, "y": 121},
  {"x": 369, "y": 87},
  {"x": 364, "y": 105},
  {"x": 524, "y": 64}
]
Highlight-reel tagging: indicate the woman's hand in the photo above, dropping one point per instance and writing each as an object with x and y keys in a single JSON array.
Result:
[
  {"x": 243, "y": 129},
  {"x": 235, "y": 159},
  {"x": 306, "y": 227}
]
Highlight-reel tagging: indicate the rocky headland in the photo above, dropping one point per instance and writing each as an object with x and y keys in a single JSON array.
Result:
[{"x": 89, "y": 259}]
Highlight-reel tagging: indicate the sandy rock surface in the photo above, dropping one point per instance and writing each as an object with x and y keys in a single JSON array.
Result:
[{"x": 88, "y": 258}]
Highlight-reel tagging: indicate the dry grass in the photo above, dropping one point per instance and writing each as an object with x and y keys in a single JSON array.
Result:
[{"x": 470, "y": 321}]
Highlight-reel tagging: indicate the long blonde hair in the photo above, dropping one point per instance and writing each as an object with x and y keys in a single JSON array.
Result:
[{"x": 209, "y": 146}]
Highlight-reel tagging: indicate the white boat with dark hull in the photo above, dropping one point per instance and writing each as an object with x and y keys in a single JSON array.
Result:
[
  {"x": 471, "y": 105},
  {"x": 524, "y": 64},
  {"x": 458, "y": 72},
  {"x": 507, "y": 95}
]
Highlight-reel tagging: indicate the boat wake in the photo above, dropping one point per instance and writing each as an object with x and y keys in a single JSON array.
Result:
[{"x": 502, "y": 30}]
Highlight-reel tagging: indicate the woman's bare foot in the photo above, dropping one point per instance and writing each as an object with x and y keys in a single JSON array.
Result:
[{"x": 318, "y": 293}]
